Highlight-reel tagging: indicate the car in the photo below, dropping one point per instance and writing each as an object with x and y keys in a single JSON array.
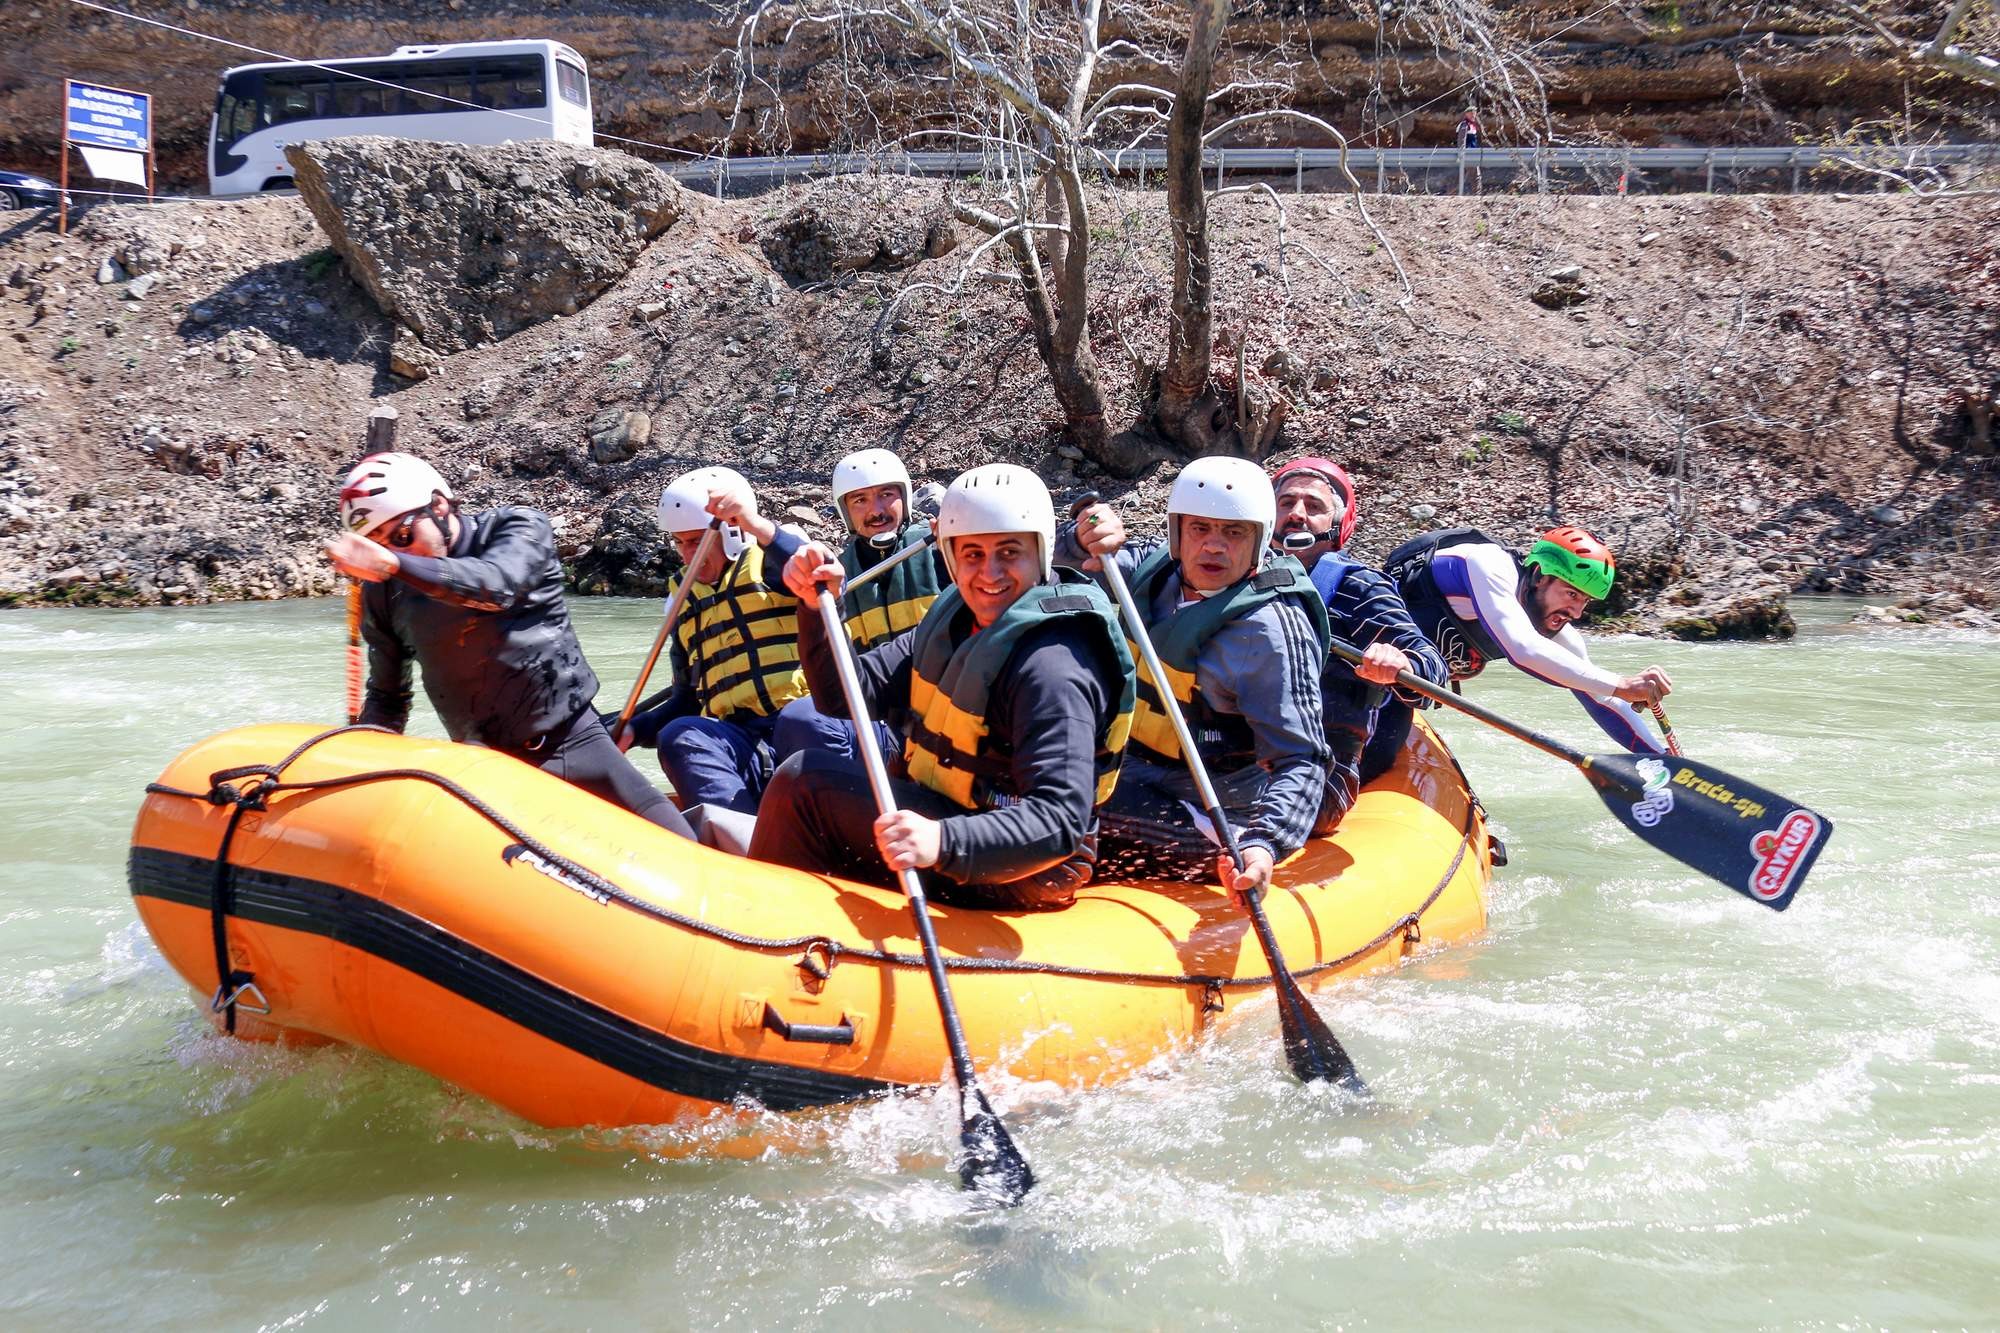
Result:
[{"x": 18, "y": 189}]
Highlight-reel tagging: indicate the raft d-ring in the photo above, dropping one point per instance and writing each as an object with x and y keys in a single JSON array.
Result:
[
  {"x": 246, "y": 997},
  {"x": 1211, "y": 998},
  {"x": 1413, "y": 934},
  {"x": 817, "y": 962}
]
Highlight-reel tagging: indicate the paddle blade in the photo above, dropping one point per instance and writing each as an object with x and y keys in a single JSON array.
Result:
[
  {"x": 1315, "y": 1054},
  {"x": 992, "y": 1164},
  {"x": 1753, "y": 840}
]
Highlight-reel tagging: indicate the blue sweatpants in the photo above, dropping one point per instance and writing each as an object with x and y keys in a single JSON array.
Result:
[
  {"x": 711, "y": 762},
  {"x": 802, "y": 727}
]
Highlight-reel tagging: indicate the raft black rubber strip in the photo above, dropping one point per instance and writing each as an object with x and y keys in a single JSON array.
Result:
[{"x": 360, "y": 922}]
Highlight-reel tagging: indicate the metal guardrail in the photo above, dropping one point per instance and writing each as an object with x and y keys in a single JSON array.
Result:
[{"x": 718, "y": 173}]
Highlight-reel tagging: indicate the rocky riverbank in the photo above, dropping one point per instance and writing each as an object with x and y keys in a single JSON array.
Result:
[{"x": 1750, "y": 395}]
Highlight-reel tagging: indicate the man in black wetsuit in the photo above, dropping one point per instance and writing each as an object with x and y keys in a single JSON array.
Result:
[
  {"x": 476, "y": 603},
  {"x": 1014, "y": 695}
]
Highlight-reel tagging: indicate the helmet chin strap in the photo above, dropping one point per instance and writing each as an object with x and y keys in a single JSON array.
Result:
[
  {"x": 1305, "y": 541},
  {"x": 882, "y": 541}
]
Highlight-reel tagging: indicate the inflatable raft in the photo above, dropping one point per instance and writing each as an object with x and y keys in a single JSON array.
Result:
[{"x": 462, "y": 912}]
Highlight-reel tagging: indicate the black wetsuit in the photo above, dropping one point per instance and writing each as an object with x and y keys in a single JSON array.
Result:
[{"x": 489, "y": 628}]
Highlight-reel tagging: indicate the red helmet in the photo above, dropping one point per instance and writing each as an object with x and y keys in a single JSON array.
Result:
[{"x": 1334, "y": 475}]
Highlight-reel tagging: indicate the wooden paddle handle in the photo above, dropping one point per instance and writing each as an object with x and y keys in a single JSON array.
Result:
[
  {"x": 356, "y": 662},
  {"x": 1667, "y": 731}
]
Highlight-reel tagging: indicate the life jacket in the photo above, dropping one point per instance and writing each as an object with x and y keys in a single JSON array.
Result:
[
  {"x": 741, "y": 639},
  {"x": 886, "y": 606},
  {"x": 1464, "y": 644},
  {"x": 1348, "y": 704},
  {"x": 949, "y": 748},
  {"x": 1224, "y": 739}
]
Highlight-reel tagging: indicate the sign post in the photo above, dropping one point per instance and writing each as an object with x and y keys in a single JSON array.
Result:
[{"x": 113, "y": 128}]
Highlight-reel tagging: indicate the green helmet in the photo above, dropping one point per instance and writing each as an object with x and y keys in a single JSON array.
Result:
[{"x": 1577, "y": 558}]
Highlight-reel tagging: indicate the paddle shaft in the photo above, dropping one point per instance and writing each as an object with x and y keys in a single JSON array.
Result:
[
  {"x": 674, "y": 605},
  {"x": 882, "y": 567},
  {"x": 1310, "y": 1046},
  {"x": 1549, "y": 745},
  {"x": 356, "y": 663},
  {"x": 885, "y": 802},
  {"x": 1666, "y": 730}
]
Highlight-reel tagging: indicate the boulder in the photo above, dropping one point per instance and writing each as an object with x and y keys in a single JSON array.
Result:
[
  {"x": 463, "y": 244},
  {"x": 853, "y": 223},
  {"x": 618, "y": 434}
]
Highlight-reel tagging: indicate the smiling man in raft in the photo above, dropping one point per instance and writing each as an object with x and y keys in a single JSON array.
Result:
[{"x": 1015, "y": 695}]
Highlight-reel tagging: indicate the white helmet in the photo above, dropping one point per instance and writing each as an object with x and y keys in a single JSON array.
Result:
[
  {"x": 385, "y": 486},
  {"x": 684, "y": 505},
  {"x": 864, "y": 470},
  {"x": 1234, "y": 490},
  {"x": 999, "y": 497}
]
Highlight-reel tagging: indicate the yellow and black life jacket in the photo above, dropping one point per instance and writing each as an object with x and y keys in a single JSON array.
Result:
[
  {"x": 740, "y": 636},
  {"x": 883, "y": 608},
  {"x": 1225, "y": 739},
  {"x": 949, "y": 748}
]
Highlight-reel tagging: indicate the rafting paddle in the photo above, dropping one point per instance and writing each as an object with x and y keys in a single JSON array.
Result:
[
  {"x": 674, "y": 605},
  {"x": 991, "y": 1164},
  {"x": 1314, "y": 1053},
  {"x": 1755, "y": 841},
  {"x": 355, "y": 666},
  {"x": 881, "y": 567}
]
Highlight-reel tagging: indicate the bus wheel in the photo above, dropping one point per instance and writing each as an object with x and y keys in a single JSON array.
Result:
[{"x": 276, "y": 183}]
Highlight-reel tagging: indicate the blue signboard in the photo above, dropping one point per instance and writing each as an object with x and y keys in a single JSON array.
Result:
[{"x": 107, "y": 117}]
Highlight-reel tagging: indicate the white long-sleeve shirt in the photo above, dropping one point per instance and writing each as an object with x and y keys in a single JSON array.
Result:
[{"x": 1480, "y": 583}]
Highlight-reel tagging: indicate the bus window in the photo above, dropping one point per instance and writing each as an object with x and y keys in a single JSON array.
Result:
[
  {"x": 295, "y": 95},
  {"x": 511, "y": 83},
  {"x": 356, "y": 97},
  {"x": 434, "y": 86},
  {"x": 572, "y": 83}
]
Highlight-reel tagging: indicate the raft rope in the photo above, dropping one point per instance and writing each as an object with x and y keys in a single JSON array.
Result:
[{"x": 256, "y": 796}]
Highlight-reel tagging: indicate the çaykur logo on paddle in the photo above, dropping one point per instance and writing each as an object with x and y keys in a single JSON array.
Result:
[
  {"x": 1658, "y": 801},
  {"x": 1780, "y": 852}
]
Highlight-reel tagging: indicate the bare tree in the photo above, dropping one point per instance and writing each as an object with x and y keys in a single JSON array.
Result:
[{"x": 1942, "y": 50}]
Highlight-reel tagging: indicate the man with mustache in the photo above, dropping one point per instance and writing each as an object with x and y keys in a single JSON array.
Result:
[
  {"x": 871, "y": 492},
  {"x": 1480, "y": 602},
  {"x": 1316, "y": 516}
]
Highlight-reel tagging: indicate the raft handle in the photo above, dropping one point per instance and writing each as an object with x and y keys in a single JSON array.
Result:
[{"x": 821, "y": 1034}]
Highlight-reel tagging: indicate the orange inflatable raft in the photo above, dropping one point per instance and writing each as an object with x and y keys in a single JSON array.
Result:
[{"x": 467, "y": 914}]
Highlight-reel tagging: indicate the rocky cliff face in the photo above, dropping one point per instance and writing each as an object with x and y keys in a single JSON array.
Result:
[
  {"x": 1780, "y": 378},
  {"x": 1695, "y": 72}
]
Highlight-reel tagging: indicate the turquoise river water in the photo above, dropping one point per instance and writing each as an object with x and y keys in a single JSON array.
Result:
[{"x": 1640, "y": 1101}]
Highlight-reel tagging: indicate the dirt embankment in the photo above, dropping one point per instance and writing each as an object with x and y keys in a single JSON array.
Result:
[
  {"x": 1777, "y": 377},
  {"x": 1693, "y": 72}
]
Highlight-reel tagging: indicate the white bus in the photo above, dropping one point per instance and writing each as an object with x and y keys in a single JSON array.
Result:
[{"x": 467, "y": 92}]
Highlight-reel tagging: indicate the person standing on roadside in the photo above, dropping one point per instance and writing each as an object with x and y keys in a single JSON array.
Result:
[{"x": 475, "y": 602}]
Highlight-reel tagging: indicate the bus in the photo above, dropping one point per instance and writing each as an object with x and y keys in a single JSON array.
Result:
[{"x": 465, "y": 92}]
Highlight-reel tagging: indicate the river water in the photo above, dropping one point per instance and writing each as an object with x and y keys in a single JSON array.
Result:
[{"x": 1640, "y": 1101}]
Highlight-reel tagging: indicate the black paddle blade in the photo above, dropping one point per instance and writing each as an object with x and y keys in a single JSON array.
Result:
[
  {"x": 992, "y": 1164},
  {"x": 1753, "y": 840},
  {"x": 1315, "y": 1054}
]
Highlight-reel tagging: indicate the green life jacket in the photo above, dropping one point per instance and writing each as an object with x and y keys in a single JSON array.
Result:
[
  {"x": 949, "y": 748},
  {"x": 740, "y": 636},
  {"x": 884, "y": 607},
  {"x": 1225, "y": 739}
]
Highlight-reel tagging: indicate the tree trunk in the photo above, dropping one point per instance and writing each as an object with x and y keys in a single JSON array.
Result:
[
  {"x": 1191, "y": 330},
  {"x": 1061, "y": 327}
]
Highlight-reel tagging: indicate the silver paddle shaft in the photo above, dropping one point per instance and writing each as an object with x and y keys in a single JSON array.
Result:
[
  {"x": 880, "y": 568},
  {"x": 1172, "y": 706}
]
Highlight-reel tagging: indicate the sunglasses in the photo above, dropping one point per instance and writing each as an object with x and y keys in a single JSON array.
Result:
[{"x": 404, "y": 530}]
